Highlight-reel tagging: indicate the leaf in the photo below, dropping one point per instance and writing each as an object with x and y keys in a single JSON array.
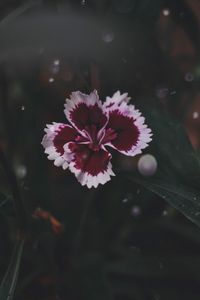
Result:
[
  {"x": 150, "y": 266},
  {"x": 172, "y": 148},
  {"x": 18, "y": 12},
  {"x": 185, "y": 199},
  {"x": 15, "y": 191},
  {"x": 178, "y": 176},
  {"x": 88, "y": 279},
  {"x": 8, "y": 284}
]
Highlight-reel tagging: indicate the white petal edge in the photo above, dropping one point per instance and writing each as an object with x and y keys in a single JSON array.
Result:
[
  {"x": 145, "y": 133},
  {"x": 116, "y": 99},
  {"x": 76, "y": 98},
  {"x": 50, "y": 150},
  {"x": 92, "y": 181}
]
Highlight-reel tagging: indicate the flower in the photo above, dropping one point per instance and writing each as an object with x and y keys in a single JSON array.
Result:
[{"x": 82, "y": 144}]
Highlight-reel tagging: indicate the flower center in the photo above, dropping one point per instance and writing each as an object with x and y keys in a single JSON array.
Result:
[
  {"x": 91, "y": 132},
  {"x": 109, "y": 135},
  {"x": 99, "y": 137}
]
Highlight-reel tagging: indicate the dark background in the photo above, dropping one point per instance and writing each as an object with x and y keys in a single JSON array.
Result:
[{"x": 132, "y": 243}]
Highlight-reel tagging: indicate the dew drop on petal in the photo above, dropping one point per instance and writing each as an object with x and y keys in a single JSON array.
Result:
[{"x": 147, "y": 165}]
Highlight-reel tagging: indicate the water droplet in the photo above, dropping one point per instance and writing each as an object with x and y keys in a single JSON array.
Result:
[
  {"x": 55, "y": 66},
  {"x": 147, "y": 165},
  {"x": 125, "y": 200},
  {"x": 22, "y": 107},
  {"x": 83, "y": 2},
  {"x": 51, "y": 79},
  {"x": 189, "y": 77},
  {"x": 166, "y": 12},
  {"x": 56, "y": 62},
  {"x": 21, "y": 171},
  {"x": 108, "y": 36},
  {"x": 162, "y": 92},
  {"x": 195, "y": 115},
  {"x": 165, "y": 213},
  {"x": 135, "y": 211},
  {"x": 128, "y": 196}
]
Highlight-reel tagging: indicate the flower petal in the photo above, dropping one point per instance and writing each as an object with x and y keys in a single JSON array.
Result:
[
  {"x": 83, "y": 111},
  {"x": 57, "y": 135},
  {"x": 116, "y": 99},
  {"x": 91, "y": 168},
  {"x": 132, "y": 135}
]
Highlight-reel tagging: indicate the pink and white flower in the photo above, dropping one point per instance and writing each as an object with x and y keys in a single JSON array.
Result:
[{"x": 82, "y": 144}]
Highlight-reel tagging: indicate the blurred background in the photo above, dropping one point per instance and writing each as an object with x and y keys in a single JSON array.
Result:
[{"x": 132, "y": 244}]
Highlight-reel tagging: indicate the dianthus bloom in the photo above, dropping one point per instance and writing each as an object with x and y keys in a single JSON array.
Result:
[{"x": 83, "y": 144}]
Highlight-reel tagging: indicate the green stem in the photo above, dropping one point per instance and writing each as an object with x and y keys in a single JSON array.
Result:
[
  {"x": 18, "y": 203},
  {"x": 83, "y": 220}
]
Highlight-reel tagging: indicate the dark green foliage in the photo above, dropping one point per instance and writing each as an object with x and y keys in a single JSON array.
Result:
[
  {"x": 8, "y": 284},
  {"x": 102, "y": 250}
]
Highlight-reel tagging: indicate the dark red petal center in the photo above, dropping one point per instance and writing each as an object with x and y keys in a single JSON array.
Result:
[
  {"x": 87, "y": 160},
  {"x": 109, "y": 135},
  {"x": 64, "y": 134},
  {"x": 85, "y": 116},
  {"x": 126, "y": 131}
]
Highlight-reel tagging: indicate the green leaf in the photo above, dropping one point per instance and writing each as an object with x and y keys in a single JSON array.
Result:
[
  {"x": 185, "y": 199},
  {"x": 177, "y": 160},
  {"x": 178, "y": 176},
  {"x": 8, "y": 284}
]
